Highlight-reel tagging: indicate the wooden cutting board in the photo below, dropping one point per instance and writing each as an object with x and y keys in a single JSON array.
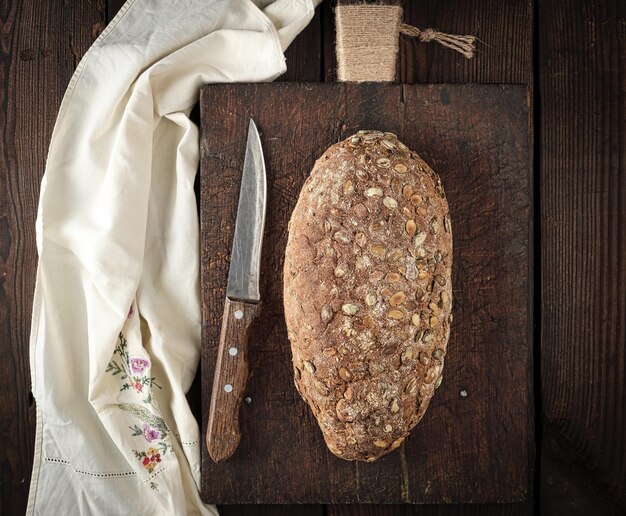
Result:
[{"x": 475, "y": 443}]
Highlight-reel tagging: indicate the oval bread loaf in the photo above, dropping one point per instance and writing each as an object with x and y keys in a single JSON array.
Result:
[{"x": 367, "y": 292}]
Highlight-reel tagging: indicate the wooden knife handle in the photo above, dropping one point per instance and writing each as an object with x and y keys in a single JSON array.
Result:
[{"x": 229, "y": 381}]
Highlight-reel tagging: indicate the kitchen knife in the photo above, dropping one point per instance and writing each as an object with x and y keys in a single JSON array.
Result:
[{"x": 241, "y": 305}]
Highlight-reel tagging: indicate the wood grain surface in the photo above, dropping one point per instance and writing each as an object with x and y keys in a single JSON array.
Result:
[
  {"x": 475, "y": 446},
  {"x": 583, "y": 231},
  {"x": 41, "y": 44},
  {"x": 477, "y": 509},
  {"x": 504, "y": 49},
  {"x": 230, "y": 379},
  {"x": 578, "y": 49}
]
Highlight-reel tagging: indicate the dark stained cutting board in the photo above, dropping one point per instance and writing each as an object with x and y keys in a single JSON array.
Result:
[{"x": 475, "y": 443}]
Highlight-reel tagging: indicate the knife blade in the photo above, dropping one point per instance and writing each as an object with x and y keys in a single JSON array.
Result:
[
  {"x": 241, "y": 305},
  {"x": 245, "y": 259}
]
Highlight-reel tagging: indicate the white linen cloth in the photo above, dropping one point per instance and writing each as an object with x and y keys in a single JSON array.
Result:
[{"x": 115, "y": 337}]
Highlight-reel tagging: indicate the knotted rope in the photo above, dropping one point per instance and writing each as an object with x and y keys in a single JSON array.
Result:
[{"x": 368, "y": 39}]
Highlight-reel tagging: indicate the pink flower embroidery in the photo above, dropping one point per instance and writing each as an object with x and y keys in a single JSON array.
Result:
[
  {"x": 138, "y": 364},
  {"x": 137, "y": 385},
  {"x": 131, "y": 312},
  {"x": 150, "y": 434}
]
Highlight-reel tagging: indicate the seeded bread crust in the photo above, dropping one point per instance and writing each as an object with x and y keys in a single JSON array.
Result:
[{"x": 367, "y": 292}]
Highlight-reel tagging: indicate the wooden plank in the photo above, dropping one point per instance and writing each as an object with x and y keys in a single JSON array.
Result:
[
  {"x": 583, "y": 234},
  {"x": 112, "y": 8},
  {"x": 486, "y": 455},
  {"x": 42, "y": 43},
  {"x": 565, "y": 489},
  {"x": 500, "y": 509},
  {"x": 504, "y": 28},
  {"x": 304, "y": 55},
  {"x": 271, "y": 510},
  {"x": 329, "y": 63}
]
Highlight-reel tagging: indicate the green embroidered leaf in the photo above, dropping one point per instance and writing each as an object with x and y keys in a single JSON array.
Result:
[
  {"x": 153, "y": 383},
  {"x": 146, "y": 416},
  {"x": 154, "y": 486},
  {"x": 136, "y": 430},
  {"x": 148, "y": 381},
  {"x": 114, "y": 368},
  {"x": 121, "y": 351},
  {"x": 122, "y": 348}
]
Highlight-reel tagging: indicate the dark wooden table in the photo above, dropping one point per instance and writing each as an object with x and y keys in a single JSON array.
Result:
[{"x": 572, "y": 56}]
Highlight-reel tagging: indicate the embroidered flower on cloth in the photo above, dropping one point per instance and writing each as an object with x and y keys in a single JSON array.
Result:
[
  {"x": 136, "y": 384},
  {"x": 151, "y": 457},
  {"x": 131, "y": 312},
  {"x": 150, "y": 434},
  {"x": 138, "y": 364},
  {"x": 131, "y": 372},
  {"x": 130, "y": 369}
]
